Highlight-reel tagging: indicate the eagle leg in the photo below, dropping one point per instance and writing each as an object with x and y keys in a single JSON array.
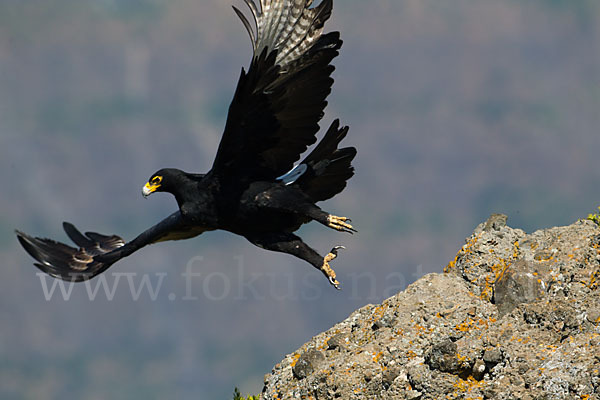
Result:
[{"x": 289, "y": 243}]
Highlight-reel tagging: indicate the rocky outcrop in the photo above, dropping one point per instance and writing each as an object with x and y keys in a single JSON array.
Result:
[{"x": 513, "y": 316}]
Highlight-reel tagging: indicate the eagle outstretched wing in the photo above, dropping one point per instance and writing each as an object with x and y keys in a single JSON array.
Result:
[
  {"x": 68, "y": 263},
  {"x": 96, "y": 252},
  {"x": 279, "y": 102}
]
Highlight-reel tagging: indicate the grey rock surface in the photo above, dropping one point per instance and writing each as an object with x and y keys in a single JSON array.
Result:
[{"x": 513, "y": 316}]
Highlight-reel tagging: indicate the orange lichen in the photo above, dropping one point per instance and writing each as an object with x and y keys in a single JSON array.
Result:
[
  {"x": 377, "y": 356},
  {"x": 516, "y": 250},
  {"x": 466, "y": 385},
  {"x": 498, "y": 270},
  {"x": 295, "y": 359},
  {"x": 471, "y": 323},
  {"x": 466, "y": 249}
]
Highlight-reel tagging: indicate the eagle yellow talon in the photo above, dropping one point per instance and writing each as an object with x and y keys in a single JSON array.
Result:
[
  {"x": 326, "y": 268},
  {"x": 340, "y": 223}
]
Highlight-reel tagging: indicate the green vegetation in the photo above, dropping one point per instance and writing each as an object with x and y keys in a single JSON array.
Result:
[
  {"x": 238, "y": 396},
  {"x": 595, "y": 217}
]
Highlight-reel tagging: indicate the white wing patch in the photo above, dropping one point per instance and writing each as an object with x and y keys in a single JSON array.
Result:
[{"x": 293, "y": 175}]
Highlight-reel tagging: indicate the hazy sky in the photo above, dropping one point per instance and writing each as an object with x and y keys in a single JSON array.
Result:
[{"x": 458, "y": 109}]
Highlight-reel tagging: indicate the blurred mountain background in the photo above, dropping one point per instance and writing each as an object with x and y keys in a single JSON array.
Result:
[{"x": 458, "y": 109}]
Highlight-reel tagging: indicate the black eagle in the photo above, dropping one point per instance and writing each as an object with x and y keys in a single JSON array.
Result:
[{"x": 253, "y": 188}]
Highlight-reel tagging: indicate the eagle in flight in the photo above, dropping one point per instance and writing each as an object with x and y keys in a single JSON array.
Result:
[{"x": 253, "y": 188}]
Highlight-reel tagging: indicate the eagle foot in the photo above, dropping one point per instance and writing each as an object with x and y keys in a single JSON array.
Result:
[
  {"x": 340, "y": 223},
  {"x": 326, "y": 268}
]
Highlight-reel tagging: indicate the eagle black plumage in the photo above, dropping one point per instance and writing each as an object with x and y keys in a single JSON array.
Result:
[{"x": 254, "y": 189}]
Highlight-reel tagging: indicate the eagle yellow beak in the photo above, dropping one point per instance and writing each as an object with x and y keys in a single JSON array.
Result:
[{"x": 149, "y": 188}]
